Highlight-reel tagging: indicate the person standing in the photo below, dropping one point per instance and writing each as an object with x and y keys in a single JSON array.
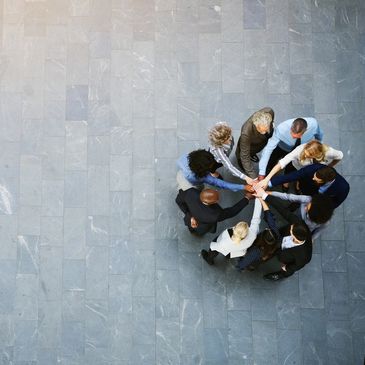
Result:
[
  {"x": 221, "y": 145},
  {"x": 255, "y": 134},
  {"x": 287, "y": 136},
  {"x": 234, "y": 242}
]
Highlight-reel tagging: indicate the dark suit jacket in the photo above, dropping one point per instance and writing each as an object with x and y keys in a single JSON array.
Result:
[
  {"x": 206, "y": 215},
  {"x": 296, "y": 257},
  {"x": 338, "y": 191},
  {"x": 252, "y": 142}
]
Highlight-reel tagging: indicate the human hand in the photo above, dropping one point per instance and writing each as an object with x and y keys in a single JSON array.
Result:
[
  {"x": 249, "y": 188},
  {"x": 250, "y": 181},
  {"x": 259, "y": 191},
  {"x": 193, "y": 222},
  {"x": 261, "y": 177},
  {"x": 262, "y": 184}
]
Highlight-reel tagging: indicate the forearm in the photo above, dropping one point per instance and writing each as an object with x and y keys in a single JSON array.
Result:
[
  {"x": 222, "y": 184},
  {"x": 273, "y": 172},
  {"x": 234, "y": 210},
  {"x": 229, "y": 166},
  {"x": 291, "y": 197}
]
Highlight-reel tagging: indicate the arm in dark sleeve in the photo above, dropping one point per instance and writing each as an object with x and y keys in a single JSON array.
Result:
[
  {"x": 270, "y": 220},
  {"x": 232, "y": 211},
  {"x": 284, "y": 212},
  {"x": 305, "y": 172},
  {"x": 292, "y": 268},
  {"x": 181, "y": 203},
  {"x": 340, "y": 197}
]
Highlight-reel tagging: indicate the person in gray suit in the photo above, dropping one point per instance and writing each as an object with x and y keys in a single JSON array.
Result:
[{"x": 255, "y": 133}]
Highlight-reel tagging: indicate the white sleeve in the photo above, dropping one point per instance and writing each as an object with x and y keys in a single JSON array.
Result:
[
  {"x": 228, "y": 164},
  {"x": 333, "y": 154},
  {"x": 291, "y": 156},
  {"x": 256, "y": 217},
  {"x": 267, "y": 151}
]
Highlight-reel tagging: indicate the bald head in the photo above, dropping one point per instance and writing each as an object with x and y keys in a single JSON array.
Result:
[{"x": 209, "y": 196}]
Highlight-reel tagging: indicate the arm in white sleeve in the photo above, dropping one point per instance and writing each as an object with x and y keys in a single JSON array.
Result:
[
  {"x": 266, "y": 153},
  {"x": 292, "y": 197},
  {"x": 228, "y": 164},
  {"x": 333, "y": 154},
  {"x": 256, "y": 217},
  {"x": 291, "y": 156}
]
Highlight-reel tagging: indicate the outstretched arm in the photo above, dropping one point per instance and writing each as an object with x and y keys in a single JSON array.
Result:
[
  {"x": 256, "y": 217},
  {"x": 234, "y": 210},
  {"x": 284, "y": 212},
  {"x": 266, "y": 153},
  {"x": 293, "y": 176},
  {"x": 211, "y": 180},
  {"x": 292, "y": 197}
]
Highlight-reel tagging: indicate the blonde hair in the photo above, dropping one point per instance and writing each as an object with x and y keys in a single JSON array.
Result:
[
  {"x": 240, "y": 231},
  {"x": 262, "y": 118},
  {"x": 219, "y": 134},
  {"x": 314, "y": 150}
]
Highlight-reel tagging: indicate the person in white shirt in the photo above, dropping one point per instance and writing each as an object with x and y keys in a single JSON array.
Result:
[
  {"x": 304, "y": 155},
  {"x": 221, "y": 145},
  {"x": 234, "y": 242}
]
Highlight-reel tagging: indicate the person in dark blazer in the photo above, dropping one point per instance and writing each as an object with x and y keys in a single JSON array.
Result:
[
  {"x": 255, "y": 133},
  {"x": 202, "y": 211},
  {"x": 295, "y": 239},
  {"x": 317, "y": 179}
]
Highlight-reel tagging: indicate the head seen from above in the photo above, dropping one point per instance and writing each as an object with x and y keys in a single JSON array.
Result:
[
  {"x": 240, "y": 231},
  {"x": 314, "y": 150},
  {"x": 220, "y": 134},
  {"x": 201, "y": 162},
  {"x": 299, "y": 232},
  {"x": 262, "y": 121},
  {"x": 298, "y": 128},
  {"x": 320, "y": 209},
  {"x": 324, "y": 175},
  {"x": 209, "y": 196}
]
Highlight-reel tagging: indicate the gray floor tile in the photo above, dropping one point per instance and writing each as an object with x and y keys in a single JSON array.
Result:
[{"x": 97, "y": 100}]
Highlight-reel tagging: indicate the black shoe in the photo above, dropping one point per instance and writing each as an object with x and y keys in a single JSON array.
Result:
[
  {"x": 293, "y": 206},
  {"x": 205, "y": 256},
  {"x": 254, "y": 158},
  {"x": 273, "y": 276}
]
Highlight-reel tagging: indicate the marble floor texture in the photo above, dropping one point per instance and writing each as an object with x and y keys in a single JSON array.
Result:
[{"x": 98, "y": 99}]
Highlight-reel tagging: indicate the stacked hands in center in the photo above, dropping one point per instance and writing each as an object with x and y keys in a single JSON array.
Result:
[{"x": 293, "y": 146}]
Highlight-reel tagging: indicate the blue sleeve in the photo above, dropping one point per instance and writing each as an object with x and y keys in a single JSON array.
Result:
[
  {"x": 211, "y": 180},
  {"x": 266, "y": 153},
  {"x": 319, "y": 133}
]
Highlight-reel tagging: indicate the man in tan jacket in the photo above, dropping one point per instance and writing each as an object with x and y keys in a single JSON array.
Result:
[{"x": 255, "y": 133}]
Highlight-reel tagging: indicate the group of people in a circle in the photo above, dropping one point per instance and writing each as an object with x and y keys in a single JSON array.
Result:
[{"x": 294, "y": 146}]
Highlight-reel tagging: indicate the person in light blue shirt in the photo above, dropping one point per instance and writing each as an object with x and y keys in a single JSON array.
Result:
[
  {"x": 198, "y": 167},
  {"x": 287, "y": 136}
]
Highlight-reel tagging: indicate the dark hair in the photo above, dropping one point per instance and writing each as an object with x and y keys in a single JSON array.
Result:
[
  {"x": 201, "y": 162},
  {"x": 326, "y": 174},
  {"x": 266, "y": 237},
  {"x": 299, "y": 126},
  {"x": 321, "y": 209},
  {"x": 300, "y": 231}
]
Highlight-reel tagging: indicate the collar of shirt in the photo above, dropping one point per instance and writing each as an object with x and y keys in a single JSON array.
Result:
[
  {"x": 289, "y": 243},
  {"x": 325, "y": 187}
]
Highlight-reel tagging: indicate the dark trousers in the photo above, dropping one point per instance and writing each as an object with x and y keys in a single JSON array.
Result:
[
  {"x": 277, "y": 155},
  {"x": 213, "y": 254},
  {"x": 253, "y": 254}
]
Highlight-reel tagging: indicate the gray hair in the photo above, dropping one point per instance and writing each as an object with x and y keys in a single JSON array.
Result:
[{"x": 262, "y": 118}]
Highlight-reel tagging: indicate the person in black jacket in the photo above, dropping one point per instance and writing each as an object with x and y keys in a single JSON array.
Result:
[
  {"x": 296, "y": 240},
  {"x": 202, "y": 211}
]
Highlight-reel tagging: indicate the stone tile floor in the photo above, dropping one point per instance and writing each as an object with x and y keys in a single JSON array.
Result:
[{"x": 98, "y": 98}]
